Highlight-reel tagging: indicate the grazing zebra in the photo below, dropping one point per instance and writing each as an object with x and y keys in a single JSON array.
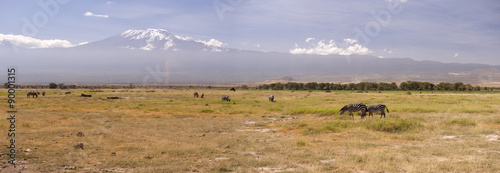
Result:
[
  {"x": 32, "y": 93},
  {"x": 226, "y": 98},
  {"x": 271, "y": 98},
  {"x": 195, "y": 94},
  {"x": 377, "y": 108},
  {"x": 354, "y": 108}
]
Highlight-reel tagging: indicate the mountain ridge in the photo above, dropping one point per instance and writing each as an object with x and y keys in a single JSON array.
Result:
[{"x": 155, "y": 56}]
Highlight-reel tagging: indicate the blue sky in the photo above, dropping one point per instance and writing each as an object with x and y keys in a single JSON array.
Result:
[{"x": 449, "y": 30}]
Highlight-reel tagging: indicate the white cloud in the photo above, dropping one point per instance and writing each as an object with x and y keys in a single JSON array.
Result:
[
  {"x": 350, "y": 41},
  {"x": 182, "y": 38},
  {"x": 212, "y": 42},
  {"x": 456, "y": 55},
  {"x": 380, "y": 56},
  {"x": 216, "y": 45},
  {"x": 309, "y": 39},
  {"x": 256, "y": 45},
  {"x": 322, "y": 48},
  {"x": 32, "y": 43},
  {"x": 90, "y": 14},
  {"x": 388, "y": 51},
  {"x": 110, "y": 2},
  {"x": 82, "y": 43}
]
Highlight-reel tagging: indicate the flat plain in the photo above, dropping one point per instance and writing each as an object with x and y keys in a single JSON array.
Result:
[{"x": 169, "y": 130}]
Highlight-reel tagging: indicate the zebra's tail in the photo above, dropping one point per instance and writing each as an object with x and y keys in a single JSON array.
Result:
[{"x": 387, "y": 109}]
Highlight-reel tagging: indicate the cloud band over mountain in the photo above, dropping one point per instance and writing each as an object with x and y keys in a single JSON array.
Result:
[{"x": 28, "y": 42}]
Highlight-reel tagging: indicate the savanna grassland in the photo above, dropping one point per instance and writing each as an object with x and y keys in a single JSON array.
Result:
[{"x": 171, "y": 131}]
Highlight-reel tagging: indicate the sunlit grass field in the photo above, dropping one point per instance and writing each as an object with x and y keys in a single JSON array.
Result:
[{"x": 171, "y": 131}]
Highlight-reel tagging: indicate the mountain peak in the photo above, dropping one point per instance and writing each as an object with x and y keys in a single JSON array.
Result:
[
  {"x": 159, "y": 34},
  {"x": 158, "y": 39}
]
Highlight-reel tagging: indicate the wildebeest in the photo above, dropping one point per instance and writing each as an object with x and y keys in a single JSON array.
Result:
[
  {"x": 271, "y": 98},
  {"x": 377, "y": 108},
  {"x": 226, "y": 98},
  {"x": 85, "y": 95},
  {"x": 113, "y": 97},
  {"x": 354, "y": 108},
  {"x": 195, "y": 94},
  {"x": 32, "y": 93},
  {"x": 202, "y": 95},
  {"x": 232, "y": 89},
  {"x": 67, "y": 93},
  {"x": 43, "y": 93}
]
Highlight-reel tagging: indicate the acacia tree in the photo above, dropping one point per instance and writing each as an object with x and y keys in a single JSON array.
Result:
[{"x": 52, "y": 85}]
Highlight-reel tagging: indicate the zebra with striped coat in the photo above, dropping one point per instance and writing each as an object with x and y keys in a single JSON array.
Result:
[
  {"x": 377, "y": 108},
  {"x": 354, "y": 108}
]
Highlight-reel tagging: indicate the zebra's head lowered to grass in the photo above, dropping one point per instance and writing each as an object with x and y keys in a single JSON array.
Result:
[
  {"x": 342, "y": 111},
  {"x": 354, "y": 108}
]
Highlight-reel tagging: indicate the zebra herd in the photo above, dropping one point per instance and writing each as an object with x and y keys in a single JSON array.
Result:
[{"x": 356, "y": 107}]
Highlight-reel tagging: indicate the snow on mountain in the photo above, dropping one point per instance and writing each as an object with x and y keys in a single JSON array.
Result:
[{"x": 158, "y": 39}]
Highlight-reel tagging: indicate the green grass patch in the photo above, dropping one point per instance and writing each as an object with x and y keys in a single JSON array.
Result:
[
  {"x": 182, "y": 116},
  {"x": 496, "y": 121},
  {"x": 328, "y": 127},
  {"x": 393, "y": 125},
  {"x": 417, "y": 110},
  {"x": 315, "y": 111},
  {"x": 478, "y": 110},
  {"x": 461, "y": 122},
  {"x": 302, "y": 124},
  {"x": 275, "y": 108},
  {"x": 207, "y": 111},
  {"x": 301, "y": 143}
]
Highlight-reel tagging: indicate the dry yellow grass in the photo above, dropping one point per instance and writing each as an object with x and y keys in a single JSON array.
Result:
[{"x": 170, "y": 131}]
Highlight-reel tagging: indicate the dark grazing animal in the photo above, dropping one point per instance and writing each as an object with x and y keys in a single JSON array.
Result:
[
  {"x": 377, "y": 108},
  {"x": 354, "y": 108},
  {"x": 85, "y": 95},
  {"x": 226, "y": 98},
  {"x": 43, "y": 93},
  {"x": 32, "y": 93},
  {"x": 202, "y": 95},
  {"x": 113, "y": 97},
  {"x": 67, "y": 93},
  {"x": 271, "y": 98},
  {"x": 195, "y": 94},
  {"x": 232, "y": 89}
]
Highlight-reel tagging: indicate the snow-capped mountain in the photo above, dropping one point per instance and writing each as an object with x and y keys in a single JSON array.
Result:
[
  {"x": 157, "y": 39},
  {"x": 156, "y": 56}
]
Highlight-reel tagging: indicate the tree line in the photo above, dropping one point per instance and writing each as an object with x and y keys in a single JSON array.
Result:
[{"x": 373, "y": 86}]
